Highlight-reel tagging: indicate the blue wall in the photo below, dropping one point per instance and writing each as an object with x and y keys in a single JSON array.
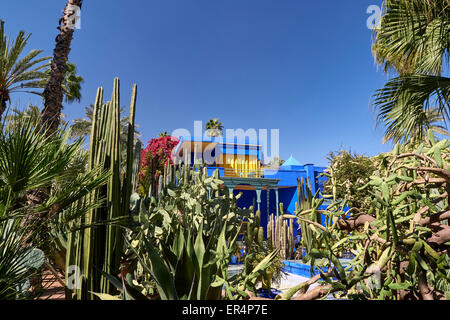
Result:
[
  {"x": 288, "y": 195},
  {"x": 286, "y": 174}
]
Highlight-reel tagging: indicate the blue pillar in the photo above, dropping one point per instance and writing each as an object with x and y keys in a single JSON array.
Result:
[
  {"x": 258, "y": 198},
  {"x": 277, "y": 202},
  {"x": 310, "y": 173}
]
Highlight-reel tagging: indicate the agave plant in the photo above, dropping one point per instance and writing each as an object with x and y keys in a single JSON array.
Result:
[{"x": 182, "y": 241}]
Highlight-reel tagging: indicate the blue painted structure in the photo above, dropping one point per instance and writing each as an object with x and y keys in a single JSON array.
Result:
[{"x": 239, "y": 162}]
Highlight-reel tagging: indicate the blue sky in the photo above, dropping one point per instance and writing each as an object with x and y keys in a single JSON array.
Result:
[{"x": 304, "y": 67}]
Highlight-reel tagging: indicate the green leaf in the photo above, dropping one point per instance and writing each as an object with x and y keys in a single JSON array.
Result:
[
  {"x": 199, "y": 250},
  {"x": 105, "y": 296},
  {"x": 438, "y": 158},
  {"x": 319, "y": 254},
  {"x": 430, "y": 251},
  {"x": 178, "y": 244},
  {"x": 412, "y": 264},
  {"x": 422, "y": 262},
  {"x": 400, "y": 286},
  {"x": 265, "y": 263},
  {"x": 385, "y": 191},
  {"x": 34, "y": 258},
  {"x": 218, "y": 282},
  {"x": 160, "y": 272}
]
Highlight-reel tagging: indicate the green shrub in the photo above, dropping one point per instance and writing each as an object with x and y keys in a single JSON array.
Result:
[
  {"x": 401, "y": 244},
  {"x": 351, "y": 171}
]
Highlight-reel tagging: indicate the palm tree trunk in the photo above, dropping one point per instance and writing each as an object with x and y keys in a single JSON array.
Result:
[
  {"x": 53, "y": 98},
  {"x": 53, "y": 93},
  {"x": 2, "y": 107}
]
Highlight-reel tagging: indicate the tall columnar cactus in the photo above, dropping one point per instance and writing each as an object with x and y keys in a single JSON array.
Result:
[
  {"x": 280, "y": 233},
  {"x": 98, "y": 245},
  {"x": 136, "y": 164},
  {"x": 255, "y": 233}
]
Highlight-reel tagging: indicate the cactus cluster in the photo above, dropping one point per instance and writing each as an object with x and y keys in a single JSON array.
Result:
[
  {"x": 96, "y": 245},
  {"x": 255, "y": 233},
  {"x": 401, "y": 244},
  {"x": 182, "y": 240},
  {"x": 280, "y": 233}
]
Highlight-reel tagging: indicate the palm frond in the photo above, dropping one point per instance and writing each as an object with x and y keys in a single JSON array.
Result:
[
  {"x": 413, "y": 36},
  {"x": 18, "y": 261},
  {"x": 214, "y": 128},
  {"x": 17, "y": 73},
  {"x": 403, "y": 105}
]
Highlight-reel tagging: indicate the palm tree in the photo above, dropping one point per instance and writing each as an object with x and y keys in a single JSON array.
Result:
[
  {"x": 54, "y": 93},
  {"x": 82, "y": 126},
  {"x": 72, "y": 91},
  {"x": 413, "y": 41},
  {"x": 420, "y": 121},
  {"x": 214, "y": 128},
  {"x": 71, "y": 84},
  {"x": 276, "y": 162},
  {"x": 18, "y": 74}
]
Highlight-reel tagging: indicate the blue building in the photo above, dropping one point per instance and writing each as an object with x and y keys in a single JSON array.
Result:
[{"x": 240, "y": 165}]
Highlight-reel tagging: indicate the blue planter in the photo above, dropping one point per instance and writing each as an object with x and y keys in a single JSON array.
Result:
[{"x": 268, "y": 294}]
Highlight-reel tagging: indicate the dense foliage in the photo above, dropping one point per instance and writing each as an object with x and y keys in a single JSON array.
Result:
[
  {"x": 257, "y": 248},
  {"x": 350, "y": 171},
  {"x": 182, "y": 241},
  {"x": 413, "y": 41},
  {"x": 402, "y": 242},
  {"x": 62, "y": 206},
  {"x": 39, "y": 184}
]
